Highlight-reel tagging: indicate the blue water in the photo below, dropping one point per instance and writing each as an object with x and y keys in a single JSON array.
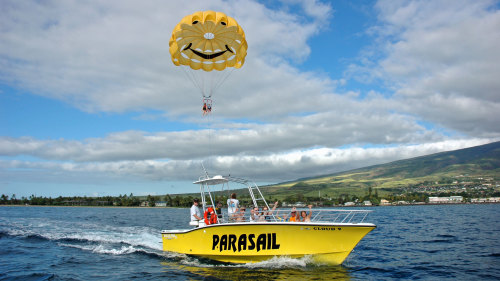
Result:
[{"x": 457, "y": 242}]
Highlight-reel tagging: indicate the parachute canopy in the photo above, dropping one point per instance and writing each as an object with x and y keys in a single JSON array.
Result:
[{"x": 209, "y": 41}]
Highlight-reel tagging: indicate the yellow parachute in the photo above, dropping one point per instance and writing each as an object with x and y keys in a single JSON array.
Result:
[{"x": 207, "y": 41}]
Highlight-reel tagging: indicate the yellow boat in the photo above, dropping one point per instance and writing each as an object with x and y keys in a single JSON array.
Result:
[{"x": 329, "y": 237}]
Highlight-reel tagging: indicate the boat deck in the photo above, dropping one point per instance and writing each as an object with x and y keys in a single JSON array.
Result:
[{"x": 325, "y": 217}]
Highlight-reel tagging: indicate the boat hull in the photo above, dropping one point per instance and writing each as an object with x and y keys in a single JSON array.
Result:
[{"x": 254, "y": 242}]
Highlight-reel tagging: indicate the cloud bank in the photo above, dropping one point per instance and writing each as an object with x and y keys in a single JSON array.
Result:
[{"x": 437, "y": 62}]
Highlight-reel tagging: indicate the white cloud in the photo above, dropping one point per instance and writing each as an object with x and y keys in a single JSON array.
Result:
[
  {"x": 327, "y": 129},
  {"x": 441, "y": 59},
  {"x": 270, "y": 167}
]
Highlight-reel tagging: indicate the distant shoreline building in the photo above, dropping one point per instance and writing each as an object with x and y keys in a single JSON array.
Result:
[
  {"x": 384, "y": 202},
  {"x": 161, "y": 204},
  {"x": 485, "y": 200},
  {"x": 446, "y": 200}
]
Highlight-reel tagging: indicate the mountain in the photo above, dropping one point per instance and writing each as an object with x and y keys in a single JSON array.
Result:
[{"x": 443, "y": 168}]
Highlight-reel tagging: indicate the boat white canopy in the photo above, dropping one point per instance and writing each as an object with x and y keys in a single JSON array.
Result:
[{"x": 215, "y": 180}]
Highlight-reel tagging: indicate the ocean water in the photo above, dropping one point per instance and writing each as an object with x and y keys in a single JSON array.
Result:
[{"x": 454, "y": 242}]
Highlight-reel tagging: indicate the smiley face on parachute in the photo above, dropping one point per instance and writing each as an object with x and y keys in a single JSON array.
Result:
[{"x": 208, "y": 40}]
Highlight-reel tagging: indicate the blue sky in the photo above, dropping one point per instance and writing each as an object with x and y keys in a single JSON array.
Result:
[{"x": 91, "y": 104}]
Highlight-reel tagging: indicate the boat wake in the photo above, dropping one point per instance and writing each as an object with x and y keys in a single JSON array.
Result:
[
  {"x": 116, "y": 240},
  {"x": 110, "y": 249},
  {"x": 274, "y": 263},
  {"x": 282, "y": 262},
  {"x": 277, "y": 268},
  {"x": 112, "y": 240}
]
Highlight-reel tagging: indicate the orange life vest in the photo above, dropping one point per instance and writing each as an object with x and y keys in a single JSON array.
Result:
[{"x": 210, "y": 216}]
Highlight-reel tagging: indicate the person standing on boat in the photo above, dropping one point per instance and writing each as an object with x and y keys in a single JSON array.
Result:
[
  {"x": 218, "y": 209},
  {"x": 195, "y": 211},
  {"x": 232, "y": 206}
]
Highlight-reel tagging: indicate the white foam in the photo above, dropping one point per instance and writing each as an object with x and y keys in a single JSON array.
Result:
[
  {"x": 173, "y": 255},
  {"x": 134, "y": 237},
  {"x": 192, "y": 261},
  {"x": 144, "y": 237},
  {"x": 281, "y": 262},
  {"x": 101, "y": 249},
  {"x": 273, "y": 263}
]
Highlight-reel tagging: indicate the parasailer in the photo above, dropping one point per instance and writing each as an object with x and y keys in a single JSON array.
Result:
[
  {"x": 208, "y": 46},
  {"x": 207, "y": 106}
]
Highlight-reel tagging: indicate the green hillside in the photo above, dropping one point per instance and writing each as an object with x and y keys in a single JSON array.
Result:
[{"x": 481, "y": 163}]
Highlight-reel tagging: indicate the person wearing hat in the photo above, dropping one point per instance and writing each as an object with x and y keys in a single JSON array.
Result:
[
  {"x": 294, "y": 215},
  {"x": 195, "y": 211}
]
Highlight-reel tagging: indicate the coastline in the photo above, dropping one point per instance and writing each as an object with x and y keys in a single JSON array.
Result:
[
  {"x": 118, "y": 207},
  {"x": 336, "y": 206}
]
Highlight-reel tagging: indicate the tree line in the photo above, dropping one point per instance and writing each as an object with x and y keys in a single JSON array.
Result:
[
  {"x": 186, "y": 200},
  {"x": 121, "y": 200}
]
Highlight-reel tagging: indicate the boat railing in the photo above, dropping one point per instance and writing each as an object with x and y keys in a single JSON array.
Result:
[
  {"x": 339, "y": 216},
  {"x": 318, "y": 215}
]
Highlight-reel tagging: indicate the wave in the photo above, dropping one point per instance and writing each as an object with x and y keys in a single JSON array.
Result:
[
  {"x": 101, "y": 249},
  {"x": 27, "y": 235},
  {"x": 441, "y": 241},
  {"x": 90, "y": 237},
  {"x": 138, "y": 239},
  {"x": 446, "y": 236},
  {"x": 281, "y": 262},
  {"x": 32, "y": 276},
  {"x": 111, "y": 250}
]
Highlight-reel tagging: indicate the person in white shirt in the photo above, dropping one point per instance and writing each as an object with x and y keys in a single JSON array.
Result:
[
  {"x": 232, "y": 206},
  {"x": 195, "y": 211}
]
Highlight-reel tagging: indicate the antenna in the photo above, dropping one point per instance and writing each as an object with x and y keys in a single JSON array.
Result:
[{"x": 205, "y": 170}]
